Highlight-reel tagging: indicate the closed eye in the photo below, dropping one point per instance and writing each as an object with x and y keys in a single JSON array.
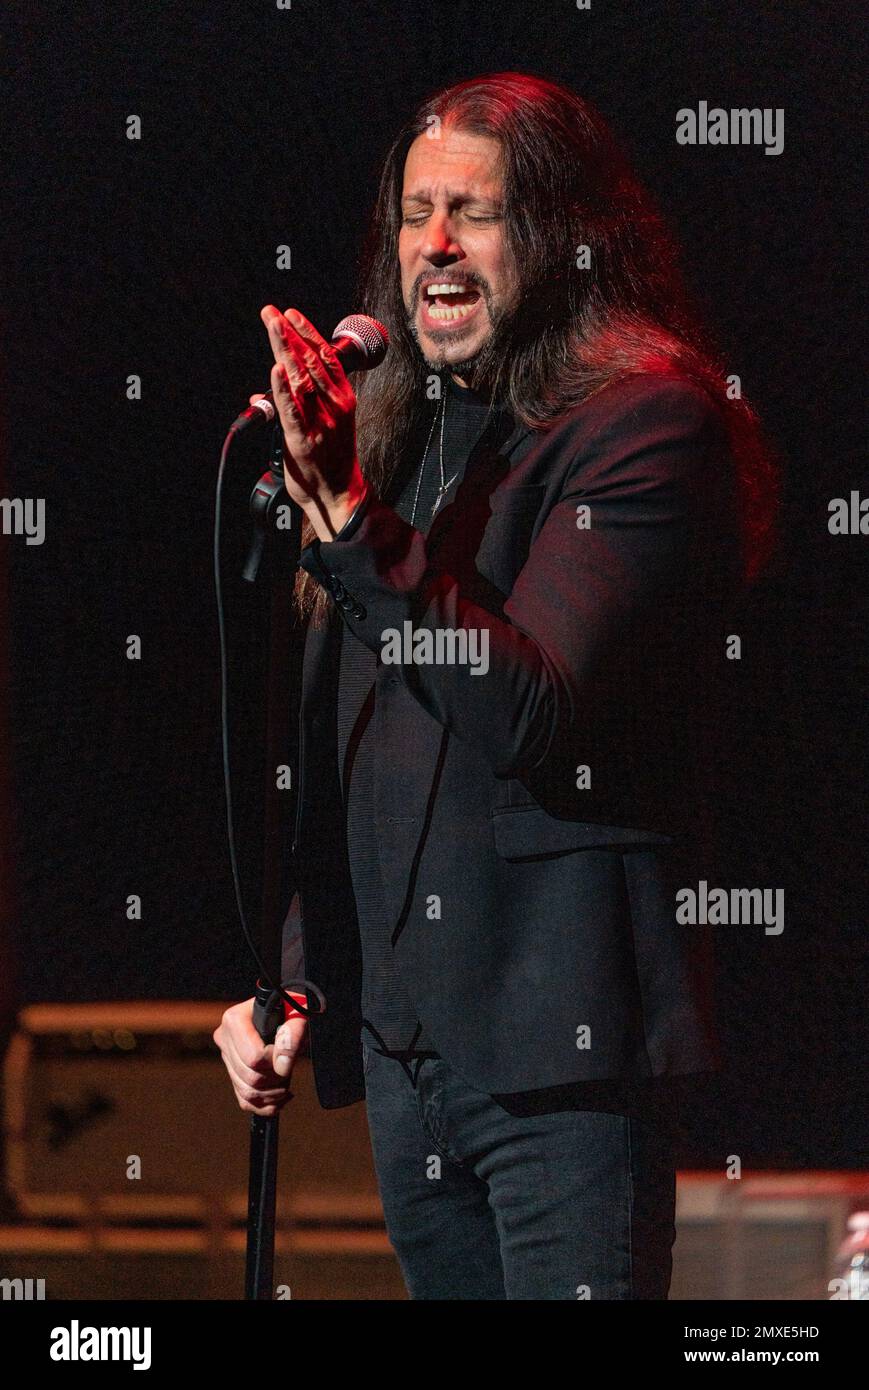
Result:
[{"x": 416, "y": 219}]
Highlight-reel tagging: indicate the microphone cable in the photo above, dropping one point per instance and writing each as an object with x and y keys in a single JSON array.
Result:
[{"x": 302, "y": 986}]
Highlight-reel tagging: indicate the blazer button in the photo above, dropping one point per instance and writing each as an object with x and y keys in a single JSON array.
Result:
[{"x": 358, "y": 610}]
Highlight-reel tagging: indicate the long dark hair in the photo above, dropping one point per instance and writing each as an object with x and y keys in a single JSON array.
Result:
[{"x": 566, "y": 185}]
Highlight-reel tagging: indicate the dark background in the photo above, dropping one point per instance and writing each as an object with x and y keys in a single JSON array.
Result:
[{"x": 263, "y": 127}]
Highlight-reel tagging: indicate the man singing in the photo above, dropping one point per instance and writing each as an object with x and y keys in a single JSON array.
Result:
[{"x": 519, "y": 553}]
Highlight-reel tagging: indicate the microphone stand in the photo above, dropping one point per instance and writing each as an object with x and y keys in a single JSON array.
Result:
[{"x": 284, "y": 547}]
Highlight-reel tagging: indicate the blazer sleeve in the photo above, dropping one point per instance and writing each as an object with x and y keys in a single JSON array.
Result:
[{"x": 639, "y": 457}]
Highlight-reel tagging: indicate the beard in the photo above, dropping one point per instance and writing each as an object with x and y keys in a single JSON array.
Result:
[{"x": 482, "y": 366}]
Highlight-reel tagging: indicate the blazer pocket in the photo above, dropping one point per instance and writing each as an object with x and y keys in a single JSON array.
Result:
[{"x": 526, "y": 832}]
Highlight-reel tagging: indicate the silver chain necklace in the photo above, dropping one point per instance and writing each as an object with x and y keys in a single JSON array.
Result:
[{"x": 444, "y": 487}]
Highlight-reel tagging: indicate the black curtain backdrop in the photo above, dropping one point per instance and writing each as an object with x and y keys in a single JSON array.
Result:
[{"x": 152, "y": 257}]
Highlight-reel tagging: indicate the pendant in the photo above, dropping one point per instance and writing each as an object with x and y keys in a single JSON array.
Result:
[{"x": 442, "y": 492}]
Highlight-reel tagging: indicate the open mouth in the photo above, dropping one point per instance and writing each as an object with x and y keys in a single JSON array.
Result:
[{"x": 448, "y": 303}]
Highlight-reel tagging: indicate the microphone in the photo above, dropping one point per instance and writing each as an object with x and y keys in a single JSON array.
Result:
[{"x": 360, "y": 342}]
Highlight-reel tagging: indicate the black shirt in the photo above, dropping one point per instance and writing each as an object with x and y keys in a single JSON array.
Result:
[{"x": 387, "y": 1012}]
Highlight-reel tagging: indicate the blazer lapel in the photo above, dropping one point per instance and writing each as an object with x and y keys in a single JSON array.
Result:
[{"x": 413, "y": 744}]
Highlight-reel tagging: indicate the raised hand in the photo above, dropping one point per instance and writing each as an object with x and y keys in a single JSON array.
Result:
[{"x": 316, "y": 406}]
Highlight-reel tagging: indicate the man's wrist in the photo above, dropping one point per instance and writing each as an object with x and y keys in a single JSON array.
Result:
[
  {"x": 354, "y": 520},
  {"x": 329, "y": 518}
]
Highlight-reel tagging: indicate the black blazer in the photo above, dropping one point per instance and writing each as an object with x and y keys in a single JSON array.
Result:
[{"x": 533, "y": 903}]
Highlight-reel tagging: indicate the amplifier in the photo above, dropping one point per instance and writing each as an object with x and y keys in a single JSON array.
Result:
[{"x": 127, "y": 1099}]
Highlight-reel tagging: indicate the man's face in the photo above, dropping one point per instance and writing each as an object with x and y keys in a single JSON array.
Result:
[{"x": 457, "y": 276}]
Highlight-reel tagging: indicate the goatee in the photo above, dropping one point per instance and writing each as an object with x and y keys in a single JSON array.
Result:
[{"x": 484, "y": 366}]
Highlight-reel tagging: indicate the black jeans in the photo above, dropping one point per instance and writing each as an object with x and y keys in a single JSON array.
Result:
[{"x": 546, "y": 1195}]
